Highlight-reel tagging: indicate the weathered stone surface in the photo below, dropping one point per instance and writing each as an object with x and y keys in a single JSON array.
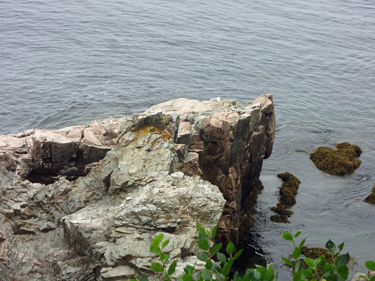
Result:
[
  {"x": 62, "y": 152},
  {"x": 162, "y": 171},
  {"x": 358, "y": 277}
]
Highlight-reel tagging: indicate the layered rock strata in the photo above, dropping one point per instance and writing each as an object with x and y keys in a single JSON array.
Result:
[{"x": 82, "y": 203}]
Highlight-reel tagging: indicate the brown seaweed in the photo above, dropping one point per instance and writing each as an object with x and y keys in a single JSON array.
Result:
[
  {"x": 287, "y": 192},
  {"x": 342, "y": 161},
  {"x": 371, "y": 198}
]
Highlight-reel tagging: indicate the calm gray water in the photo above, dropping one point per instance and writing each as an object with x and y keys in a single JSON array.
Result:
[{"x": 71, "y": 62}]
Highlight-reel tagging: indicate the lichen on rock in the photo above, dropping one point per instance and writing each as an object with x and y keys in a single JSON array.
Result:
[
  {"x": 177, "y": 164},
  {"x": 287, "y": 192},
  {"x": 371, "y": 198},
  {"x": 342, "y": 161}
]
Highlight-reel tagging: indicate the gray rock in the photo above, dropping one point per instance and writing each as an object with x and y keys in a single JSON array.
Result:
[{"x": 180, "y": 163}]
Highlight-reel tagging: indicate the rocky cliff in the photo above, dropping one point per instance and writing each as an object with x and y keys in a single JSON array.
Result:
[{"x": 83, "y": 202}]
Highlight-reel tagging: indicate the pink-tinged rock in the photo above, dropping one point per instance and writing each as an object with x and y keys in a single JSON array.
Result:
[{"x": 100, "y": 225}]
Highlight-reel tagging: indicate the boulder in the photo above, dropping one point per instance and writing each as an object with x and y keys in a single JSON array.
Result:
[{"x": 84, "y": 202}]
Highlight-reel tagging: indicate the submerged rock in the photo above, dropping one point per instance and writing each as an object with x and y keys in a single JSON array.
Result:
[
  {"x": 342, "y": 161},
  {"x": 371, "y": 198},
  {"x": 287, "y": 192},
  {"x": 180, "y": 163}
]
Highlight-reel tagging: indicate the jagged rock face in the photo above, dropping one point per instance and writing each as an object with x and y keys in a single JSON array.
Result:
[
  {"x": 62, "y": 152},
  {"x": 224, "y": 143},
  {"x": 178, "y": 164}
]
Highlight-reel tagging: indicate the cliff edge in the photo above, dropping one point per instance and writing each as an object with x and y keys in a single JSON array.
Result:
[{"x": 83, "y": 202}]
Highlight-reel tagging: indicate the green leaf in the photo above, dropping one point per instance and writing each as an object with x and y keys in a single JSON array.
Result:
[
  {"x": 343, "y": 271},
  {"x": 171, "y": 268},
  {"x": 203, "y": 244},
  {"x": 202, "y": 256},
  {"x": 327, "y": 267},
  {"x": 298, "y": 233},
  {"x": 306, "y": 272},
  {"x": 166, "y": 278},
  {"x": 343, "y": 260},
  {"x": 298, "y": 265},
  {"x": 221, "y": 257},
  {"x": 287, "y": 261},
  {"x": 165, "y": 243},
  {"x": 238, "y": 254},
  {"x": 296, "y": 253},
  {"x": 227, "y": 267},
  {"x": 157, "y": 267},
  {"x": 199, "y": 277},
  {"x": 216, "y": 249},
  {"x": 309, "y": 262},
  {"x": 201, "y": 229},
  {"x": 372, "y": 278},
  {"x": 287, "y": 236},
  {"x": 166, "y": 258},
  {"x": 179, "y": 278},
  {"x": 216, "y": 267},
  {"x": 202, "y": 236},
  {"x": 341, "y": 246},
  {"x": 213, "y": 232},
  {"x": 160, "y": 237},
  {"x": 331, "y": 247},
  {"x": 370, "y": 265},
  {"x": 162, "y": 256},
  {"x": 230, "y": 248},
  {"x": 302, "y": 243},
  {"x": 143, "y": 277},
  {"x": 209, "y": 264},
  {"x": 246, "y": 278},
  {"x": 132, "y": 278},
  {"x": 186, "y": 277},
  {"x": 235, "y": 276},
  {"x": 155, "y": 249},
  {"x": 189, "y": 269},
  {"x": 297, "y": 276},
  {"x": 206, "y": 274}
]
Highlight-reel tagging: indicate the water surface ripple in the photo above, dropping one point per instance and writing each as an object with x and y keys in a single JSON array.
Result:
[{"x": 67, "y": 62}]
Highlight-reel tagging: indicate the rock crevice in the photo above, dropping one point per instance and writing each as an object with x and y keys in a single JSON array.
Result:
[{"x": 101, "y": 192}]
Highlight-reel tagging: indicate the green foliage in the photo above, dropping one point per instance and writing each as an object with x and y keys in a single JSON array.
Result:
[
  {"x": 218, "y": 266},
  {"x": 320, "y": 268}
]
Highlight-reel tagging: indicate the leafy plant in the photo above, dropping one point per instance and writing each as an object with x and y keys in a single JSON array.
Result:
[
  {"x": 218, "y": 265},
  {"x": 370, "y": 266},
  {"x": 333, "y": 269}
]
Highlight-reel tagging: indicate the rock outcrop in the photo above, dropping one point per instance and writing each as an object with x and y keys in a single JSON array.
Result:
[{"x": 82, "y": 203}]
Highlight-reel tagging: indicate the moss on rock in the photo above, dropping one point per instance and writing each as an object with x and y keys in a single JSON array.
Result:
[
  {"x": 287, "y": 192},
  {"x": 371, "y": 198},
  {"x": 342, "y": 161}
]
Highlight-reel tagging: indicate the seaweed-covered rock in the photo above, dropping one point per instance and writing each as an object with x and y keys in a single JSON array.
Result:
[
  {"x": 288, "y": 192},
  {"x": 342, "y": 161},
  {"x": 371, "y": 198}
]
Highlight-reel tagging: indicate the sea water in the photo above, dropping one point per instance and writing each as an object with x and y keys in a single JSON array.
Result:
[{"x": 72, "y": 62}]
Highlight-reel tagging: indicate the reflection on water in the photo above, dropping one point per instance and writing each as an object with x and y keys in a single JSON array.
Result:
[{"x": 72, "y": 62}]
